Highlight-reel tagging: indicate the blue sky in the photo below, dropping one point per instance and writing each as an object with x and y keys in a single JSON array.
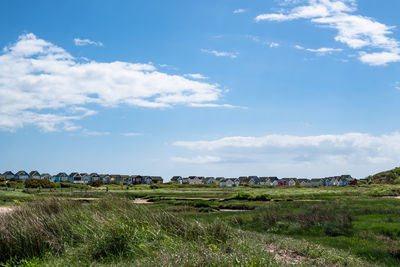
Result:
[{"x": 218, "y": 88}]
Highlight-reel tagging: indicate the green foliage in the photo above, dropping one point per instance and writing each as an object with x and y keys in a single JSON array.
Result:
[
  {"x": 389, "y": 177},
  {"x": 39, "y": 183},
  {"x": 3, "y": 182},
  {"x": 242, "y": 196},
  {"x": 96, "y": 183},
  {"x": 155, "y": 186}
]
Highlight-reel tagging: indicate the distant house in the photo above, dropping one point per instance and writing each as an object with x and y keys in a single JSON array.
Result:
[
  {"x": 46, "y": 176},
  {"x": 185, "y": 180},
  {"x": 229, "y": 182},
  {"x": 115, "y": 179},
  {"x": 94, "y": 176},
  {"x": 136, "y": 179},
  {"x": 76, "y": 178},
  {"x": 34, "y": 174},
  {"x": 86, "y": 178},
  {"x": 22, "y": 175},
  {"x": 9, "y": 175},
  {"x": 210, "y": 180},
  {"x": 63, "y": 177},
  {"x": 195, "y": 180},
  {"x": 273, "y": 181},
  {"x": 316, "y": 182},
  {"x": 303, "y": 182},
  {"x": 222, "y": 182},
  {"x": 147, "y": 180},
  {"x": 105, "y": 178},
  {"x": 126, "y": 179},
  {"x": 157, "y": 179},
  {"x": 219, "y": 179},
  {"x": 236, "y": 181},
  {"x": 284, "y": 181},
  {"x": 254, "y": 180},
  {"x": 243, "y": 180},
  {"x": 177, "y": 179}
]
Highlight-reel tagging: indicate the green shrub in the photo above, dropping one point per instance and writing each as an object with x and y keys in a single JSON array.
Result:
[
  {"x": 155, "y": 186},
  {"x": 242, "y": 196},
  {"x": 96, "y": 183},
  {"x": 39, "y": 183}
]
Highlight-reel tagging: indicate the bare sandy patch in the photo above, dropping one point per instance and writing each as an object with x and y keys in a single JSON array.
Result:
[
  {"x": 5, "y": 210},
  {"x": 141, "y": 201}
]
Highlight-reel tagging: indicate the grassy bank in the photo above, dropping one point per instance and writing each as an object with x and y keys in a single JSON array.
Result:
[{"x": 114, "y": 231}]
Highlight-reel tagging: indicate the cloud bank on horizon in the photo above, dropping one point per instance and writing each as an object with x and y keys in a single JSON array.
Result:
[
  {"x": 324, "y": 151},
  {"x": 356, "y": 31},
  {"x": 41, "y": 84}
]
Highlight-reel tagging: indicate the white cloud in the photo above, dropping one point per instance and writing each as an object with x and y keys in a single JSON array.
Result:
[
  {"x": 299, "y": 47},
  {"x": 379, "y": 59},
  {"x": 351, "y": 148},
  {"x": 238, "y": 11},
  {"x": 131, "y": 134},
  {"x": 94, "y": 133},
  {"x": 84, "y": 42},
  {"x": 397, "y": 85},
  {"x": 41, "y": 84},
  {"x": 220, "y": 53},
  {"x": 355, "y": 31},
  {"x": 197, "y": 160},
  {"x": 324, "y": 50},
  {"x": 196, "y": 76},
  {"x": 271, "y": 45}
]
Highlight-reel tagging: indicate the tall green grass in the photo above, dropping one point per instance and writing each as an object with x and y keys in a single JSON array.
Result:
[{"x": 116, "y": 231}]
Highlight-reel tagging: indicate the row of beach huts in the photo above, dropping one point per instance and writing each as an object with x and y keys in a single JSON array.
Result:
[
  {"x": 343, "y": 180},
  {"x": 85, "y": 178}
]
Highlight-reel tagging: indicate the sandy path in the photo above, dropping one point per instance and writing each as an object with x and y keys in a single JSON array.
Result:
[
  {"x": 4, "y": 210},
  {"x": 141, "y": 201}
]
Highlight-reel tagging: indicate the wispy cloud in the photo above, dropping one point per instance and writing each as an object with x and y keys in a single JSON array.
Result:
[
  {"x": 356, "y": 31},
  {"x": 273, "y": 44},
  {"x": 239, "y": 10},
  {"x": 319, "y": 51},
  {"x": 84, "y": 42},
  {"x": 196, "y": 76},
  {"x": 131, "y": 134},
  {"x": 397, "y": 85},
  {"x": 220, "y": 53},
  {"x": 324, "y": 50},
  {"x": 257, "y": 39},
  {"x": 94, "y": 133},
  {"x": 41, "y": 84}
]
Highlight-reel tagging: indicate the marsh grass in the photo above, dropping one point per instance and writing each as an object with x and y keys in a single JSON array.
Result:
[{"x": 112, "y": 230}]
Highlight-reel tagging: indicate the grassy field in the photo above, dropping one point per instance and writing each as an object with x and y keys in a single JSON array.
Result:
[{"x": 202, "y": 226}]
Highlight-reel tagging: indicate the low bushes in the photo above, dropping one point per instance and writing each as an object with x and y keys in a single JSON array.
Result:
[
  {"x": 39, "y": 183},
  {"x": 248, "y": 196},
  {"x": 96, "y": 183}
]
